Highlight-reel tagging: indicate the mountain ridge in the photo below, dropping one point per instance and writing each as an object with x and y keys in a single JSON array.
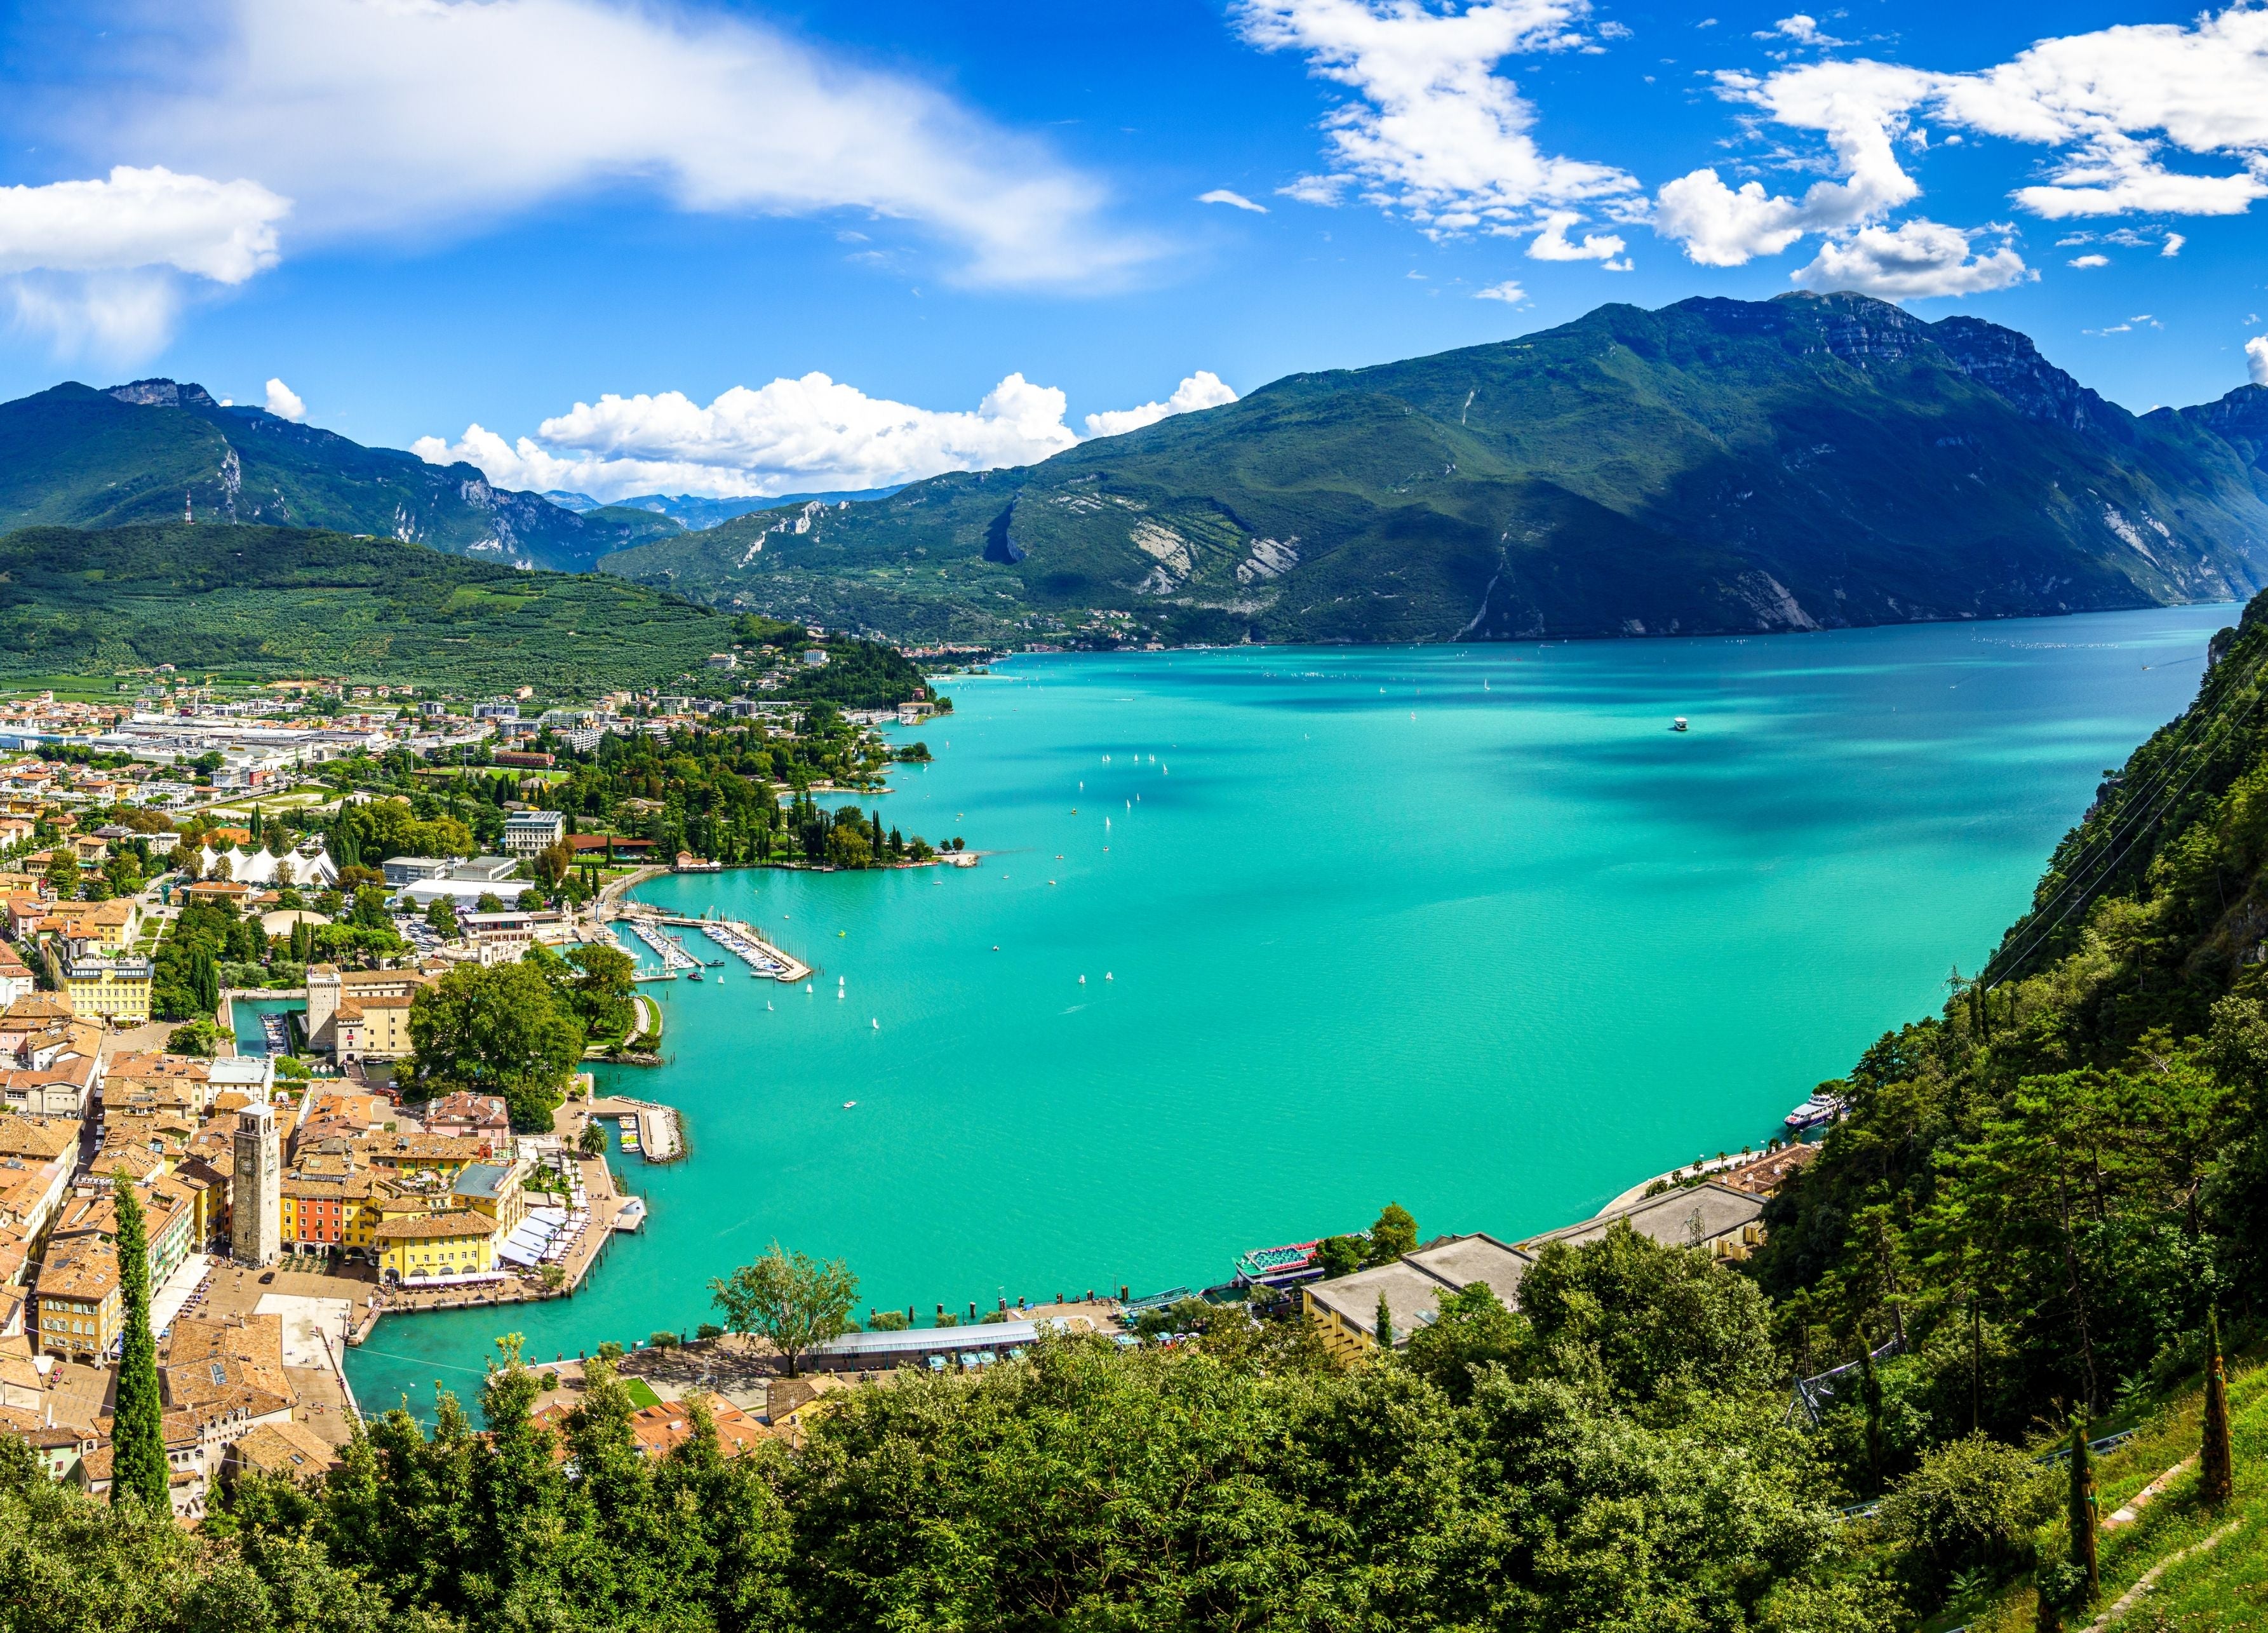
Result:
[
  {"x": 159, "y": 449},
  {"x": 1712, "y": 467}
]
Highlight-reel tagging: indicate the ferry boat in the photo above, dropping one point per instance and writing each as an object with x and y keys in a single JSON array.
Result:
[
  {"x": 1280, "y": 1267},
  {"x": 1819, "y": 1109}
]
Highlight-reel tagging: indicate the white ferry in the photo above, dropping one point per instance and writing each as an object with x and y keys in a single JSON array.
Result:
[{"x": 1820, "y": 1109}]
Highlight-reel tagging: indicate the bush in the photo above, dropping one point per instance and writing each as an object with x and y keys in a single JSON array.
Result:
[
  {"x": 1972, "y": 1504},
  {"x": 709, "y": 1329},
  {"x": 887, "y": 1321},
  {"x": 660, "y": 1339}
]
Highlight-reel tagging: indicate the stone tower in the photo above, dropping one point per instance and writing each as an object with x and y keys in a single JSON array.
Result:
[{"x": 255, "y": 1206}]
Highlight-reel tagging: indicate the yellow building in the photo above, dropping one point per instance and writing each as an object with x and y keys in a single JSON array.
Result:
[
  {"x": 80, "y": 1304},
  {"x": 422, "y": 1246},
  {"x": 376, "y": 1027},
  {"x": 115, "y": 990}
]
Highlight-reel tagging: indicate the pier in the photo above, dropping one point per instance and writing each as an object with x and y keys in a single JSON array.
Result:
[
  {"x": 674, "y": 958},
  {"x": 742, "y": 941}
]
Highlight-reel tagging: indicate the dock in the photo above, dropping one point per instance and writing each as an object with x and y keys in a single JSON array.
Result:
[
  {"x": 673, "y": 957},
  {"x": 742, "y": 941}
]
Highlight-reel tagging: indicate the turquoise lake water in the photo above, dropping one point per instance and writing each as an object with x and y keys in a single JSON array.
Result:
[{"x": 1467, "y": 929}]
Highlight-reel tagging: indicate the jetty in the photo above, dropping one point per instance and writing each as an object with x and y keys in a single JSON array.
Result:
[
  {"x": 673, "y": 956},
  {"x": 742, "y": 941}
]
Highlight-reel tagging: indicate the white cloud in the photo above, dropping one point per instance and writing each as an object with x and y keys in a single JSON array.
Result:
[
  {"x": 1222, "y": 195},
  {"x": 115, "y": 317},
  {"x": 2256, "y": 359},
  {"x": 1509, "y": 292},
  {"x": 792, "y": 435},
  {"x": 1919, "y": 260},
  {"x": 283, "y": 403},
  {"x": 2116, "y": 104},
  {"x": 2173, "y": 242},
  {"x": 1805, "y": 31},
  {"x": 1858, "y": 107},
  {"x": 391, "y": 117},
  {"x": 1204, "y": 389},
  {"x": 2088, "y": 260},
  {"x": 1432, "y": 133},
  {"x": 1552, "y": 244},
  {"x": 224, "y": 231},
  {"x": 99, "y": 267}
]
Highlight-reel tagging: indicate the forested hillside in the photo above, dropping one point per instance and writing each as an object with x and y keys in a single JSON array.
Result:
[
  {"x": 282, "y": 600},
  {"x": 1808, "y": 462},
  {"x": 2042, "y": 1189}
]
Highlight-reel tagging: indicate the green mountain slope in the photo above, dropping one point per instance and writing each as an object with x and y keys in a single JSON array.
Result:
[
  {"x": 157, "y": 451},
  {"x": 273, "y": 600},
  {"x": 1811, "y": 461}
]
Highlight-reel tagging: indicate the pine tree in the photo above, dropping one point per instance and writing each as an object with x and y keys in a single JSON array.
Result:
[
  {"x": 138, "y": 1471},
  {"x": 2216, "y": 1460},
  {"x": 2081, "y": 1504},
  {"x": 1384, "y": 1327}
]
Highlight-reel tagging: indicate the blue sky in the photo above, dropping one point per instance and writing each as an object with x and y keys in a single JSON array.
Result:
[{"x": 981, "y": 225}]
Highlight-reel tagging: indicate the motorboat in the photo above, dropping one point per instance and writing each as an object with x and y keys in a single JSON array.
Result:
[
  {"x": 1678, "y": 724},
  {"x": 1819, "y": 1109}
]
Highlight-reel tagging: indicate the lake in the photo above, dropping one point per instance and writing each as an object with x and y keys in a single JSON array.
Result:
[{"x": 1265, "y": 939}]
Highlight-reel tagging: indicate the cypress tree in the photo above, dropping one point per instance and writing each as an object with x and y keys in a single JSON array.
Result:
[
  {"x": 138, "y": 1471},
  {"x": 2081, "y": 1504},
  {"x": 2216, "y": 1460},
  {"x": 1384, "y": 1327}
]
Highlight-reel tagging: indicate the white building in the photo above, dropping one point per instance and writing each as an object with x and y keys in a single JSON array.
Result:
[{"x": 527, "y": 831}]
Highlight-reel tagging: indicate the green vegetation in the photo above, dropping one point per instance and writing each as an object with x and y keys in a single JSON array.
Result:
[
  {"x": 73, "y": 456},
  {"x": 138, "y": 1470},
  {"x": 275, "y": 601},
  {"x": 508, "y": 1030},
  {"x": 1717, "y": 465},
  {"x": 793, "y": 1302}
]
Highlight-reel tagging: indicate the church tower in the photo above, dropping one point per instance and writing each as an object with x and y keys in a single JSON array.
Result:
[{"x": 255, "y": 1201}]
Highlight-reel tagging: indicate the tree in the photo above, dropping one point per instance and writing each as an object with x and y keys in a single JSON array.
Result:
[
  {"x": 441, "y": 918},
  {"x": 200, "y": 1038},
  {"x": 488, "y": 901},
  {"x": 552, "y": 861},
  {"x": 502, "y": 1031},
  {"x": 1971, "y": 1504},
  {"x": 1472, "y": 1331},
  {"x": 2216, "y": 1459},
  {"x": 1339, "y": 1256},
  {"x": 1394, "y": 1234},
  {"x": 592, "y": 1141},
  {"x": 63, "y": 873},
  {"x": 601, "y": 986},
  {"x": 1382, "y": 1328},
  {"x": 2080, "y": 1508},
  {"x": 139, "y": 1472},
  {"x": 792, "y": 1301}
]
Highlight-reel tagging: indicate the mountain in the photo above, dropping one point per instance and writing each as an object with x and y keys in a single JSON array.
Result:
[
  {"x": 256, "y": 601},
  {"x": 692, "y": 510},
  {"x": 1806, "y": 462},
  {"x": 160, "y": 450}
]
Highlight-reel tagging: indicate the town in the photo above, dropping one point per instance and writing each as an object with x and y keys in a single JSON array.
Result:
[{"x": 243, "y": 923}]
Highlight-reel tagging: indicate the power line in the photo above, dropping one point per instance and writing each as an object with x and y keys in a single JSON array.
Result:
[{"x": 2143, "y": 815}]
